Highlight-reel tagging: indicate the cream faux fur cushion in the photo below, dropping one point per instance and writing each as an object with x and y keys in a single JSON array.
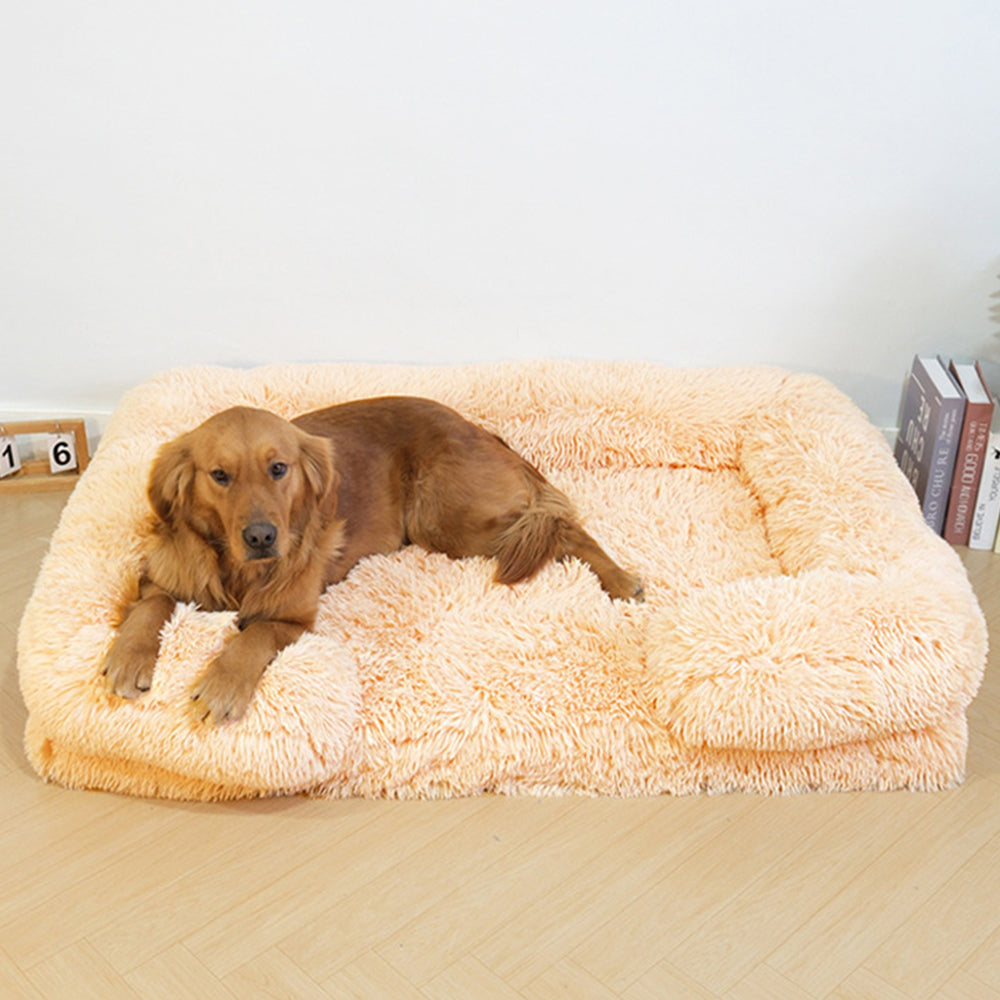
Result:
[{"x": 802, "y": 628}]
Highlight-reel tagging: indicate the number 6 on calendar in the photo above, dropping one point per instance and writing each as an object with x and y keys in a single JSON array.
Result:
[{"x": 62, "y": 453}]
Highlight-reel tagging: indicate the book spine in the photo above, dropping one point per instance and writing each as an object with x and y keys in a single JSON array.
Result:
[
  {"x": 912, "y": 450},
  {"x": 986, "y": 518},
  {"x": 942, "y": 465},
  {"x": 968, "y": 470}
]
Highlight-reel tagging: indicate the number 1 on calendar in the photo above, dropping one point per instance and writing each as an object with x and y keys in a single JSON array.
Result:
[{"x": 10, "y": 457}]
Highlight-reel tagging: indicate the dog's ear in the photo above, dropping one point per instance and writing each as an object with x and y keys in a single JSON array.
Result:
[
  {"x": 171, "y": 479},
  {"x": 320, "y": 473}
]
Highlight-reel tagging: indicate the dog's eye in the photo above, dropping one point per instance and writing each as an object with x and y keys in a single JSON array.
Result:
[
  {"x": 220, "y": 476},
  {"x": 278, "y": 469}
]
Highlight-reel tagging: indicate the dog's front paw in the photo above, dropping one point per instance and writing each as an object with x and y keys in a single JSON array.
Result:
[
  {"x": 129, "y": 667},
  {"x": 222, "y": 693}
]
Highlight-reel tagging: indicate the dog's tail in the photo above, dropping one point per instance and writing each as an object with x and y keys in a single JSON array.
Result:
[
  {"x": 537, "y": 535},
  {"x": 548, "y": 529}
]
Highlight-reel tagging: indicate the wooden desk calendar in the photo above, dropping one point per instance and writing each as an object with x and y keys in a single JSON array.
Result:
[{"x": 60, "y": 470}]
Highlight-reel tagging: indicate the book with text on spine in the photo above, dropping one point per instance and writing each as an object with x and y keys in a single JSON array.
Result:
[
  {"x": 986, "y": 516},
  {"x": 929, "y": 428},
  {"x": 971, "y": 452}
]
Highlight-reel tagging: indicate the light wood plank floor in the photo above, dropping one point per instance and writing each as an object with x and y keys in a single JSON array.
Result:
[{"x": 849, "y": 896}]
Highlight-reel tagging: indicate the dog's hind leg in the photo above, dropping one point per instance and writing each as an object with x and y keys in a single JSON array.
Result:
[
  {"x": 548, "y": 529},
  {"x": 618, "y": 583}
]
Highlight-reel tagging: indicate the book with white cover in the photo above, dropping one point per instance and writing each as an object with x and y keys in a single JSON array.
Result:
[{"x": 986, "y": 516}]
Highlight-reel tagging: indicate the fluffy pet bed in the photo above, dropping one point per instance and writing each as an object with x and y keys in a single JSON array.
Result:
[{"x": 802, "y": 628}]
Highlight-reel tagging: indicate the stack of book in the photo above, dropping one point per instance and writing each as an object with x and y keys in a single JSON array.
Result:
[{"x": 949, "y": 449}]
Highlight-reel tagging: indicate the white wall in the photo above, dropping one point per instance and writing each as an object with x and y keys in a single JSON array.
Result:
[{"x": 815, "y": 185}]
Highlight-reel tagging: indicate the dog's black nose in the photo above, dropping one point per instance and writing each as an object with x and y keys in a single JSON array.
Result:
[{"x": 260, "y": 536}]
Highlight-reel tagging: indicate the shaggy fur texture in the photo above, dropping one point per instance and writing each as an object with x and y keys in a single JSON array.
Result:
[{"x": 802, "y": 628}]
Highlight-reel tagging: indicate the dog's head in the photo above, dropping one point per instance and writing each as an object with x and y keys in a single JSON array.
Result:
[{"x": 247, "y": 482}]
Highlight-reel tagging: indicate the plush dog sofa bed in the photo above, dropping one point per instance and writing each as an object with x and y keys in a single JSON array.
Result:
[{"x": 802, "y": 628}]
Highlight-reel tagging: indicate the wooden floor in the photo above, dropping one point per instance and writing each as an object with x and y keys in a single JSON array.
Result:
[{"x": 852, "y": 896}]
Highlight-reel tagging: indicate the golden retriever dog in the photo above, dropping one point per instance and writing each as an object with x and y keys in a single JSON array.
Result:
[{"x": 258, "y": 515}]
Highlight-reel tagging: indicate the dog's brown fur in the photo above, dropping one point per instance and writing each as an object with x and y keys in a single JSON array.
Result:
[{"x": 257, "y": 514}]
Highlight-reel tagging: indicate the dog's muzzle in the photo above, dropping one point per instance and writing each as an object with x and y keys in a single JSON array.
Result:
[{"x": 259, "y": 538}]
